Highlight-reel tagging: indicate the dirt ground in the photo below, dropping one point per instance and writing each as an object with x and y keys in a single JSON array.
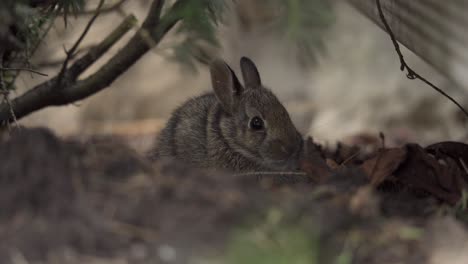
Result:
[{"x": 96, "y": 200}]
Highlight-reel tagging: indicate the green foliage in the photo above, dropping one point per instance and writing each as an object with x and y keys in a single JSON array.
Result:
[
  {"x": 273, "y": 242},
  {"x": 30, "y": 17},
  {"x": 461, "y": 208},
  {"x": 67, "y": 7},
  {"x": 300, "y": 23},
  {"x": 288, "y": 245},
  {"x": 30, "y": 28},
  {"x": 198, "y": 29},
  {"x": 28, "y": 23},
  {"x": 304, "y": 22}
]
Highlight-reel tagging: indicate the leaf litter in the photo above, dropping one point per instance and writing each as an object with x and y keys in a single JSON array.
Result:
[{"x": 73, "y": 201}]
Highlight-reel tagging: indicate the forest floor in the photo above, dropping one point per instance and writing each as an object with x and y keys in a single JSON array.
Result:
[{"x": 96, "y": 200}]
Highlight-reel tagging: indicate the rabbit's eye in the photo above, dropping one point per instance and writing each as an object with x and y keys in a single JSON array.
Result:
[{"x": 256, "y": 123}]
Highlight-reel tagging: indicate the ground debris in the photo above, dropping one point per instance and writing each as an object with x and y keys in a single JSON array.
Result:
[
  {"x": 98, "y": 201},
  {"x": 438, "y": 170}
]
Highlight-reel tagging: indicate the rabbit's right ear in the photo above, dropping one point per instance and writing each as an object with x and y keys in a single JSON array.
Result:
[
  {"x": 250, "y": 73},
  {"x": 225, "y": 84}
]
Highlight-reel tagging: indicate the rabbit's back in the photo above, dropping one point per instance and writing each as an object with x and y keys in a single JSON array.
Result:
[{"x": 184, "y": 136}]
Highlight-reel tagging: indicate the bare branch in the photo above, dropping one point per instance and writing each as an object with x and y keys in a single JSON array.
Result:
[
  {"x": 77, "y": 43},
  {"x": 44, "y": 94},
  {"x": 46, "y": 91},
  {"x": 23, "y": 69},
  {"x": 96, "y": 52},
  {"x": 411, "y": 74}
]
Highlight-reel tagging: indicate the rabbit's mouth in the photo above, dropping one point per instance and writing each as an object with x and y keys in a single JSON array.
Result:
[
  {"x": 289, "y": 165},
  {"x": 289, "y": 162}
]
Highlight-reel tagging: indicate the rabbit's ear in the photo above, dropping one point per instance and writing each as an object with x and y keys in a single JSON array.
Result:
[
  {"x": 250, "y": 73},
  {"x": 225, "y": 84}
]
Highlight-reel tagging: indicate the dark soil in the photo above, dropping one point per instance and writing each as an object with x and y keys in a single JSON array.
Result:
[{"x": 98, "y": 201}]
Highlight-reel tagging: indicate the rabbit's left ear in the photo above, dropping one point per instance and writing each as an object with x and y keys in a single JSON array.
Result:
[
  {"x": 225, "y": 84},
  {"x": 250, "y": 73}
]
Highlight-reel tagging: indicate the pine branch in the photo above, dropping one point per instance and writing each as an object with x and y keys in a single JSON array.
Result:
[
  {"x": 104, "y": 9},
  {"x": 43, "y": 95},
  {"x": 6, "y": 100}
]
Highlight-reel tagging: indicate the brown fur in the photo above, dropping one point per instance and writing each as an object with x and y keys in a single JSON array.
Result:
[{"x": 213, "y": 130}]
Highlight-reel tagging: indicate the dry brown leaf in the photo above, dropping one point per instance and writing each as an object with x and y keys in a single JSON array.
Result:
[
  {"x": 456, "y": 150},
  {"x": 383, "y": 165},
  {"x": 441, "y": 178},
  {"x": 313, "y": 162}
]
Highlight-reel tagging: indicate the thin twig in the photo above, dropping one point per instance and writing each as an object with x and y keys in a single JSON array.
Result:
[
  {"x": 23, "y": 69},
  {"x": 350, "y": 158},
  {"x": 411, "y": 74},
  {"x": 106, "y": 9},
  {"x": 382, "y": 139},
  {"x": 70, "y": 53},
  {"x": 6, "y": 94},
  {"x": 59, "y": 62},
  {"x": 464, "y": 165},
  {"x": 271, "y": 173}
]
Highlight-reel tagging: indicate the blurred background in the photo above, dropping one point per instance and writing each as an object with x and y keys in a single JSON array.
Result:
[{"x": 335, "y": 70}]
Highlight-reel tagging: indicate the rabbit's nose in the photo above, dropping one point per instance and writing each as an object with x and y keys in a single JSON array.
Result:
[
  {"x": 276, "y": 150},
  {"x": 280, "y": 150},
  {"x": 285, "y": 148}
]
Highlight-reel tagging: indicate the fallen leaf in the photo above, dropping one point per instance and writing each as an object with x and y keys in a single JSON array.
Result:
[
  {"x": 423, "y": 171},
  {"x": 313, "y": 163},
  {"x": 383, "y": 165},
  {"x": 449, "y": 149}
]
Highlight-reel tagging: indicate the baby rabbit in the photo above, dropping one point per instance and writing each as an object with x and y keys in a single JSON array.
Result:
[{"x": 236, "y": 128}]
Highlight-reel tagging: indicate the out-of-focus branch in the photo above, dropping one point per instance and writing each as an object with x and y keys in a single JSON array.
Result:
[
  {"x": 434, "y": 30},
  {"x": 43, "y": 95},
  {"x": 30, "y": 101},
  {"x": 411, "y": 74}
]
